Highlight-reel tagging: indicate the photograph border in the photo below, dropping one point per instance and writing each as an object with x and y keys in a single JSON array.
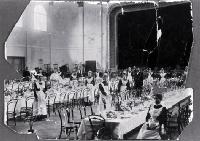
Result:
[{"x": 14, "y": 8}]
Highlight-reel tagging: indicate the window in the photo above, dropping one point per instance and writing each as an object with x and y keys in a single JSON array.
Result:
[{"x": 40, "y": 18}]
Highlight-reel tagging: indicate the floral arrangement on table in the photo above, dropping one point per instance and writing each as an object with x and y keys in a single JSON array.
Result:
[{"x": 111, "y": 114}]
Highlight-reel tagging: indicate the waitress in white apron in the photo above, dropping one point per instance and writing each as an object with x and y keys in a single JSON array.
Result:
[{"x": 39, "y": 105}]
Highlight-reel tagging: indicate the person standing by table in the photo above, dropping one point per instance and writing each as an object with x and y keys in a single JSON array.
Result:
[
  {"x": 138, "y": 79},
  {"x": 98, "y": 78},
  {"x": 104, "y": 99},
  {"x": 90, "y": 79},
  {"x": 162, "y": 79},
  {"x": 39, "y": 105},
  {"x": 130, "y": 75},
  {"x": 156, "y": 117}
]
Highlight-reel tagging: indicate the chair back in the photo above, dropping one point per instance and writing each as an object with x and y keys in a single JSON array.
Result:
[
  {"x": 60, "y": 116},
  {"x": 11, "y": 105},
  {"x": 66, "y": 99},
  {"x": 172, "y": 124},
  {"x": 70, "y": 114},
  {"x": 71, "y": 111},
  {"x": 97, "y": 122},
  {"x": 62, "y": 97},
  {"x": 79, "y": 93},
  {"x": 72, "y": 97},
  {"x": 29, "y": 101},
  {"x": 85, "y": 92},
  {"x": 57, "y": 97},
  {"x": 51, "y": 99}
]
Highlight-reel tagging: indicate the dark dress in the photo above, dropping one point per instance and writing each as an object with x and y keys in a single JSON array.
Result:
[{"x": 138, "y": 83}]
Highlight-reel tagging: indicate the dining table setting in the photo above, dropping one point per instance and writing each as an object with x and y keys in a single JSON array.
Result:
[{"x": 130, "y": 117}]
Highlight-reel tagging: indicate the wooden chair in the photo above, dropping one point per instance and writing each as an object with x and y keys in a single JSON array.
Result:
[
  {"x": 72, "y": 98},
  {"x": 28, "y": 110},
  {"x": 50, "y": 103},
  {"x": 64, "y": 127},
  {"x": 185, "y": 113},
  {"x": 56, "y": 102},
  {"x": 86, "y": 103},
  {"x": 85, "y": 94},
  {"x": 99, "y": 130},
  {"x": 173, "y": 126},
  {"x": 74, "y": 119},
  {"x": 79, "y": 96},
  {"x": 11, "y": 106}
]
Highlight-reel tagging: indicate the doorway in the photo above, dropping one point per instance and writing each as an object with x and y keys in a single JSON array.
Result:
[{"x": 17, "y": 62}]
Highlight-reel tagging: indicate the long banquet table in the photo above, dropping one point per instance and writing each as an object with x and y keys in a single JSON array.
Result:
[{"x": 126, "y": 121}]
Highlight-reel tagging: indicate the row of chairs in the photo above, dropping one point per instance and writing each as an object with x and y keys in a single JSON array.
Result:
[
  {"x": 20, "y": 88},
  {"x": 10, "y": 113},
  {"x": 71, "y": 117},
  {"x": 72, "y": 98},
  {"x": 177, "y": 122},
  {"x": 26, "y": 111},
  {"x": 70, "y": 123}
]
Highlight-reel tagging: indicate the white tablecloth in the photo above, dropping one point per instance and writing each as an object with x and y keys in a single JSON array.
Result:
[{"x": 131, "y": 121}]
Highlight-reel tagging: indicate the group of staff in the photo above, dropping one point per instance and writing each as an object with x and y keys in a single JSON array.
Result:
[{"x": 105, "y": 82}]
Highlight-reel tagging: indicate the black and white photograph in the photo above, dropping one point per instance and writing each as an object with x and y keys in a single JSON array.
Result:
[{"x": 100, "y": 70}]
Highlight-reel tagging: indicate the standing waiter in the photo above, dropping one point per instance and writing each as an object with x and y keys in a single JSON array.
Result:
[{"x": 138, "y": 78}]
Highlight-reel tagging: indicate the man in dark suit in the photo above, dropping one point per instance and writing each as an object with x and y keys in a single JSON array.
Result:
[
  {"x": 26, "y": 74},
  {"x": 138, "y": 78}
]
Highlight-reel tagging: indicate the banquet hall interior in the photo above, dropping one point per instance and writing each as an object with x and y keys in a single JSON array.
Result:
[{"x": 94, "y": 70}]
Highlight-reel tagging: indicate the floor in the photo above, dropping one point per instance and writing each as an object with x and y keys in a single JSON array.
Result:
[{"x": 50, "y": 127}]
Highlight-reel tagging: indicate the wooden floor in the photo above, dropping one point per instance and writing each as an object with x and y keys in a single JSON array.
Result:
[
  {"x": 46, "y": 129},
  {"x": 50, "y": 128}
]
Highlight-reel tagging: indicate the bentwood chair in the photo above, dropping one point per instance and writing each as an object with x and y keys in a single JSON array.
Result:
[
  {"x": 72, "y": 98},
  {"x": 11, "y": 114},
  {"x": 99, "y": 129},
  {"x": 79, "y": 96},
  {"x": 66, "y": 101},
  {"x": 74, "y": 115},
  {"x": 64, "y": 126},
  {"x": 87, "y": 102},
  {"x": 62, "y": 97},
  {"x": 50, "y": 104},
  {"x": 184, "y": 115},
  {"x": 57, "y": 101},
  {"x": 173, "y": 125},
  {"x": 86, "y": 92},
  {"x": 29, "y": 107}
]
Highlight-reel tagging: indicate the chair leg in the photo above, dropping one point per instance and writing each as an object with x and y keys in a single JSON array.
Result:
[
  {"x": 20, "y": 116},
  {"x": 85, "y": 110},
  {"x": 55, "y": 107},
  {"x": 76, "y": 137},
  {"x": 14, "y": 118},
  {"x": 92, "y": 113},
  {"x": 60, "y": 134},
  {"x": 7, "y": 120},
  {"x": 69, "y": 132}
]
